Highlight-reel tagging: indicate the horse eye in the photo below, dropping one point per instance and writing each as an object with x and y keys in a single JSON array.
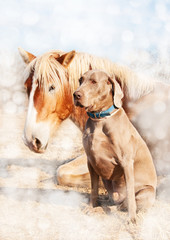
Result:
[
  {"x": 81, "y": 80},
  {"x": 51, "y": 88}
]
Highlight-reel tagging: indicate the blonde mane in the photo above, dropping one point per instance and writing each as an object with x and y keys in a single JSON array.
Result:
[
  {"x": 134, "y": 85},
  {"x": 47, "y": 69}
]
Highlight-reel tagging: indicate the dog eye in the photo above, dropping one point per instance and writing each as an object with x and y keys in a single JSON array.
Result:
[
  {"x": 51, "y": 88},
  {"x": 93, "y": 81}
]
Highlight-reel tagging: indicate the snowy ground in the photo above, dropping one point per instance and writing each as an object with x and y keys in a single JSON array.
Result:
[{"x": 34, "y": 207}]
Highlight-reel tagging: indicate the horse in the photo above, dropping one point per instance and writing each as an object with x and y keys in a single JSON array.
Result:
[{"x": 50, "y": 80}]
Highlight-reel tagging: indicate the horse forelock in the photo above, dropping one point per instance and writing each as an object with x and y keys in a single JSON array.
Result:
[
  {"x": 49, "y": 70},
  {"x": 46, "y": 69}
]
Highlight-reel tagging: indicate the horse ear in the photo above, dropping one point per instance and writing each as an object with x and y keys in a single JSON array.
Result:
[
  {"x": 66, "y": 58},
  {"x": 26, "y": 56},
  {"x": 117, "y": 92}
]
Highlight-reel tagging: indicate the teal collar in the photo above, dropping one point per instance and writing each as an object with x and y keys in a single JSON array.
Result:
[{"x": 101, "y": 114}]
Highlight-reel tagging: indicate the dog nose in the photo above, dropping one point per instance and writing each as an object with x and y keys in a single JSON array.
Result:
[
  {"x": 77, "y": 95},
  {"x": 37, "y": 143}
]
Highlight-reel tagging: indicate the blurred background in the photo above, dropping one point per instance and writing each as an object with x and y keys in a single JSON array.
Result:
[
  {"x": 135, "y": 33},
  {"x": 130, "y": 32}
]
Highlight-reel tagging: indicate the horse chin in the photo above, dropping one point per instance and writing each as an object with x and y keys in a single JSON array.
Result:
[
  {"x": 35, "y": 149},
  {"x": 42, "y": 150}
]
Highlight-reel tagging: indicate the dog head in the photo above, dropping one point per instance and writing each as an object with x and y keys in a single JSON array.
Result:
[{"x": 98, "y": 91}]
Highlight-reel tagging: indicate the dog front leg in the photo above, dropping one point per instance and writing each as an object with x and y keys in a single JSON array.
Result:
[
  {"x": 130, "y": 187},
  {"x": 94, "y": 186}
]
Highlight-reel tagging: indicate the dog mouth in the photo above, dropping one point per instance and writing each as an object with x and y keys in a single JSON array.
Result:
[
  {"x": 88, "y": 109},
  {"x": 79, "y": 104}
]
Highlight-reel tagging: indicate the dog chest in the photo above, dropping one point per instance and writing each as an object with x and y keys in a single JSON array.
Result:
[
  {"x": 100, "y": 153},
  {"x": 94, "y": 140}
]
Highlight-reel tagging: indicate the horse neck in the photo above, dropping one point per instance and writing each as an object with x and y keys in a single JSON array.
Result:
[
  {"x": 79, "y": 117},
  {"x": 67, "y": 109}
]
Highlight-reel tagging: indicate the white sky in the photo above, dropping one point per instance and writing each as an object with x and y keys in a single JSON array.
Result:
[{"x": 109, "y": 28}]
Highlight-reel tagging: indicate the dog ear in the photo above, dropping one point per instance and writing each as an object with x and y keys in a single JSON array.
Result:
[
  {"x": 90, "y": 67},
  {"x": 117, "y": 92}
]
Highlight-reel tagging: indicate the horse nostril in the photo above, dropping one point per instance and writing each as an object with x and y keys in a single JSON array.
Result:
[
  {"x": 77, "y": 95},
  {"x": 37, "y": 143}
]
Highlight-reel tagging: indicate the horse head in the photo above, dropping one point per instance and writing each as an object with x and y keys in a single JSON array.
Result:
[{"x": 49, "y": 96}]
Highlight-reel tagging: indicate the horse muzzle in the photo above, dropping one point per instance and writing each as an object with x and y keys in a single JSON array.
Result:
[{"x": 35, "y": 145}]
